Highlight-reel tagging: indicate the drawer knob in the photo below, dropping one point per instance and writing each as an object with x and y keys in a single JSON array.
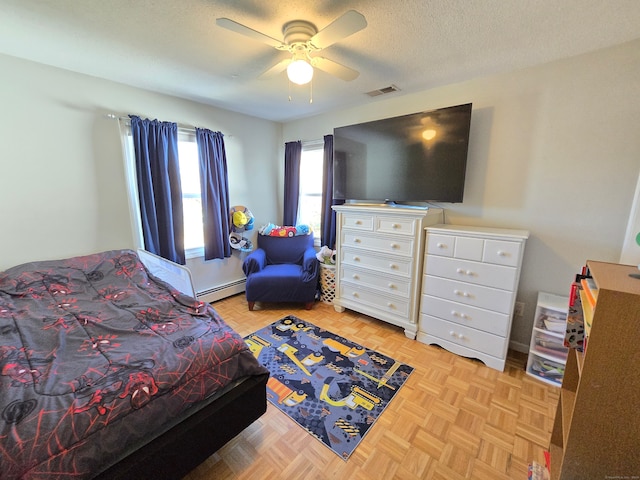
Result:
[
  {"x": 358, "y": 222},
  {"x": 392, "y": 286},
  {"x": 356, "y": 259},
  {"x": 501, "y": 253},
  {"x": 355, "y": 294},
  {"x": 440, "y": 245},
  {"x": 395, "y": 225},
  {"x": 461, "y": 336},
  {"x": 389, "y": 304},
  {"x": 356, "y": 277},
  {"x": 356, "y": 240},
  {"x": 393, "y": 266},
  {"x": 394, "y": 245},
  {"x": 459, "y": 270},
  {"x": 452, "y": 333}
]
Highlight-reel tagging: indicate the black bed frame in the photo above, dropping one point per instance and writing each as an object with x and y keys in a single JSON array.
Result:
[{"x": 188, "y": 444}]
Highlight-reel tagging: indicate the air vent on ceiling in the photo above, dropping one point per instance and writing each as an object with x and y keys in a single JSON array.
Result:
[{"x": 382, "y": 91}]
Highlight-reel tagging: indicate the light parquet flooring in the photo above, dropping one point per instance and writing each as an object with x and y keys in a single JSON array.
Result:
[{"x": 453, "y": 419}]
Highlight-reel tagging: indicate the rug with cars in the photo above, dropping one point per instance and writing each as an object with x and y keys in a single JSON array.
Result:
[{"x": 332, "y": 387}]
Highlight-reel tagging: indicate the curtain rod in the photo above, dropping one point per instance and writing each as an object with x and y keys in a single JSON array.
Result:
[{"x": 113, "y": 116}]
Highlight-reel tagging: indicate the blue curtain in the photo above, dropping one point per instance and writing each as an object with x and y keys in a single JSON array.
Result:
[
  {"x": 159, "y": 190},
  {"x": 214, "y": 186},
  {"x": 292, "y": 156},
  {"x": 327, "y": 215}
]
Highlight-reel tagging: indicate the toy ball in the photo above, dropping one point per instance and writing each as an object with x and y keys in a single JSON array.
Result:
[{"x": 240, "y": 219}]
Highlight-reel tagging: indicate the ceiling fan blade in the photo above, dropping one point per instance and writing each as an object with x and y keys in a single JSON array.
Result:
[
  {"x": 277, "y": 68},
  {"x": 248, "y": 32},
  {"x": 333, "y": 68},
  {"x": 348, "y": 24}
]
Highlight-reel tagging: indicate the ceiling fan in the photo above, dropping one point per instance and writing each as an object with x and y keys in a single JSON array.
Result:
[{"x": 300, "y": 39}]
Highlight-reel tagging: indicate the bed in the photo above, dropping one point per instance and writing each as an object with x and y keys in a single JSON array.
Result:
[{"x": 108, "y": 371}]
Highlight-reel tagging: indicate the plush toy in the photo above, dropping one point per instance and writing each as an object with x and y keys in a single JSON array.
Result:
[
  {"x": 266, "y": 229},
  {"x": 240, "y": 219},
  {"x": 303, "y": 229},
  {"x": 326, "y": 256}
]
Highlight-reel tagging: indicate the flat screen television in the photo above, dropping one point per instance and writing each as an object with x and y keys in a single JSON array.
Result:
[{"x": 421, "y": 157}]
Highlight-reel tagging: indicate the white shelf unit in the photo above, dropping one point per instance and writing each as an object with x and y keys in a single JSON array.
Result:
[{"x": 547, "y": 353}]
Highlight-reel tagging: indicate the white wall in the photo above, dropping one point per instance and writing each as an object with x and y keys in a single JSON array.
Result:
[
  {"x": 63, "y": 188},
  {"x": 554, "y": 149}
]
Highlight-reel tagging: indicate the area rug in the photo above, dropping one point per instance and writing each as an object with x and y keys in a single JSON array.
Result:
[{"x": 332, "y": 387}]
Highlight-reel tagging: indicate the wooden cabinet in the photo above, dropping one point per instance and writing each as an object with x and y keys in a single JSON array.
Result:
[
  {"x": 469, "y": 289},
  {"x": 596, "y": 433},
  {"x": 378, "y": 264},
  {"x": 547, "y": 353}
]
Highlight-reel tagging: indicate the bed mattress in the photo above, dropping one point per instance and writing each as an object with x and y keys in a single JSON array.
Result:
[{"x": 97, "y": 355}]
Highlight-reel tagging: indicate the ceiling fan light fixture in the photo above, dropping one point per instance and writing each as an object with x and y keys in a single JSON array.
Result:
[{"x": 300, "y": 72}]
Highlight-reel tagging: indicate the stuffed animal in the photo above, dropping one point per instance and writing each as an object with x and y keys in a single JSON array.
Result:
[
  {"x": 240, "y": 219},
  {"x": 267, "y": 229},
  {"x": 303, "y": 229},
  {"x": 326, "y": 256}
]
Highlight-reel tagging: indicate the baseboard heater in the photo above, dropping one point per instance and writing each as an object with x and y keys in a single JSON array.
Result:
[{"x": 222, "y": 291}]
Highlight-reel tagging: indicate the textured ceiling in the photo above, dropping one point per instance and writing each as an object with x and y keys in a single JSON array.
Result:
[{"x": 175, "y": 46}]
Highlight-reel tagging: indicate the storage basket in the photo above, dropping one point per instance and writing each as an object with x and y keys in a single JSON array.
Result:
[{"x": 327, "y": 282}]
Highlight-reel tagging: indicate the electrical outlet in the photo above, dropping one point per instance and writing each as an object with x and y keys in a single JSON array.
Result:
[{"x": 518, "y": 310}]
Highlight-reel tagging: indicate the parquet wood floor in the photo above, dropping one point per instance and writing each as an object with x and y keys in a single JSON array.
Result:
[{"x": 453, "y": 419}]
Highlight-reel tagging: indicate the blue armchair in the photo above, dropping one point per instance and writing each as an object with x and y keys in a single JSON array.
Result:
[{"x": 282, "y": 269}]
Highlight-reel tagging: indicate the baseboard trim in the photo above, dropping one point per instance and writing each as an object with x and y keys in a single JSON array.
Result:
[
  {"x": 222, "y": 291},
  {"x": 519, "y": 347}
]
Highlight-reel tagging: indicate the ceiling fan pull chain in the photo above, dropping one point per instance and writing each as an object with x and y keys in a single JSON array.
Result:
[
  {"x": 311, "y": 91},
  {"x": 289, "y": 82}
]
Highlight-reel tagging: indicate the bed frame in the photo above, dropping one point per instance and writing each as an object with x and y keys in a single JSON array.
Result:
[{"x": 191, "y": 442}]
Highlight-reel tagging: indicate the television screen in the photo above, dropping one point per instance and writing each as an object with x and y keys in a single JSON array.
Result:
[{"x": 421, "y": 157}]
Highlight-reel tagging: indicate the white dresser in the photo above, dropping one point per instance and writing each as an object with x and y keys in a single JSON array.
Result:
[
  {"x": 379, "y": 266},
  {"x": 469, "y": 290}
]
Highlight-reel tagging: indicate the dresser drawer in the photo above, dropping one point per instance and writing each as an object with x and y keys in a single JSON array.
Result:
[
  {"x": 489, "y": 275},
  {"x": 373, "y": 279},
  {"x": 390, "y": 245},
  {"x": 359, "y": 221},
  {"x": 388, "y": 304},
  {"x": 478, "y": 318},
  {"x": 502, "y": 252},
  {"x": 467, "y": 337},
  {"x": 440, "y": 244},
  {"x": 360, "y": 258},
  {"x": 469, "y": 248},
  {"x": 402, "y": 226},
  {"x": 469, "y": 294}
]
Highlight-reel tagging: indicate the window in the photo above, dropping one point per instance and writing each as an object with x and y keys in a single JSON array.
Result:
[
  {"x": 191, "y": 197},
  {"x": 190, "y": 183},
  {"x": 310, "y": 200}
]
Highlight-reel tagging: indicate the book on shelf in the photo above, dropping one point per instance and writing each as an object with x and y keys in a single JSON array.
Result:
[
  {"x": 590, "y": 290},
  {"x": 574, "y": 335},
  {"x": 537, "y": 471}
]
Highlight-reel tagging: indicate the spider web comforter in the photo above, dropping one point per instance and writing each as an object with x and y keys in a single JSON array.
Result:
[{"x": 96, "y": 355}]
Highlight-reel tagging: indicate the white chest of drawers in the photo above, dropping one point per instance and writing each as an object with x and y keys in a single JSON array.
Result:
[
  {"x": 379, "y": 261},
  {"x": 469, "y": 287}
]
